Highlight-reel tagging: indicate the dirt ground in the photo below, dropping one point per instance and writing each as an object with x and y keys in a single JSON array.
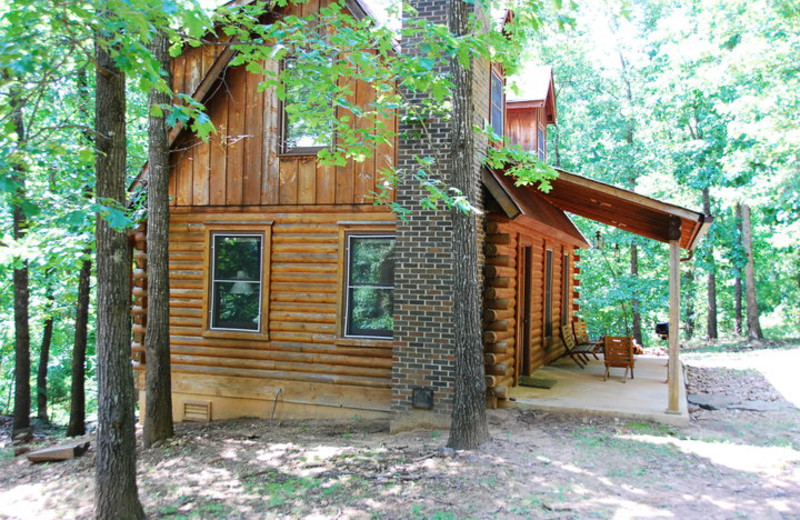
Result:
[{"x": 739, "y": 458}]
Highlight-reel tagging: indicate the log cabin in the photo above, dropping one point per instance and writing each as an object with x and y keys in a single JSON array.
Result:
[{"x": 293, "y": 295}]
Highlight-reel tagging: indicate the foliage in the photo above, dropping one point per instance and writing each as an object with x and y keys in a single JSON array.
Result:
[{"x": 714, "y": 94}]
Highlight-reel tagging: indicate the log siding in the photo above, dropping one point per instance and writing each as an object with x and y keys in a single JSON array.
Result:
[{"x": 505, "y": 358}]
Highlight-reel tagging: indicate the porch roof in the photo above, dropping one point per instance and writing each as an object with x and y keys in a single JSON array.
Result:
[{"x": 623, "y": 209}]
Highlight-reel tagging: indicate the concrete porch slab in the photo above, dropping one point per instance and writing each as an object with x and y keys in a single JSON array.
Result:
[{"x": 584, "y": 391}]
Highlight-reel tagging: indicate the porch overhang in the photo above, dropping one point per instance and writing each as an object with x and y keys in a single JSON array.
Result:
[{"x": 625, "y": 209}]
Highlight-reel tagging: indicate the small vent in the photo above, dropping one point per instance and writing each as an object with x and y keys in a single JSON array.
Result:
[{"x": 197, "y": 411}]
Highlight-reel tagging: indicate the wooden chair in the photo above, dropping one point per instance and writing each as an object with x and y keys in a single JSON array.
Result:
[
  {"x": 582, "y": 339},
  {"x": 619, "y": 353},
  {"x": 578, "y": 353}
]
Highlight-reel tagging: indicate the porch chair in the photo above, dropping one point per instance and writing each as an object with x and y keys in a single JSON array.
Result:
[
  {"x": 582, "y": 338},
  {"x": 619, "y": 353},
  {"x": 578, "y": 353}
]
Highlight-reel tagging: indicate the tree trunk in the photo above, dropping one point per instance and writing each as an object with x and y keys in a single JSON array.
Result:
[
  {"x": 737, "y": 302},
  {"x": 636, "y": 315},
  {"x": 44, "y": 352},
  {"x": 77, "y": 404},
  {"x": 711, "y": 281},
  {"x": 469, "y": 428},
  {"x": 711, "y": 289},
  {"x": 556, "y": 149},
  {"x": 753, "y": 325},
  {"x": 116, "y": 495},
  {"x": 737, "y": 281},
  {"x": 22, "y": 337},
  {"x": 689, "y": 320},
  {"x": 158, "y": 395},
  {"x": 635, "y": 304}
]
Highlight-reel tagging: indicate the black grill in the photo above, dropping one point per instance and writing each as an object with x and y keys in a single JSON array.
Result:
[{"x": 662, "y": 330}]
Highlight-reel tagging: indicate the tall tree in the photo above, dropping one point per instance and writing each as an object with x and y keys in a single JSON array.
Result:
[
  {"x": 158, "y": 395},
  {"x": 77, "y": 405},
  {"x": 116, "y": 494},
  {"x": 753, "y": 322},
  {"x": 711, "y": 278},
  {"x": 22, "y": 339},
  {"x": 469, "y": 428},
  {"x": 44, "y": 350}
]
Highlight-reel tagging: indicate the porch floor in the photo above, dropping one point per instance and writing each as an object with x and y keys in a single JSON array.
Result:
[{"x": 577, "y": 390}]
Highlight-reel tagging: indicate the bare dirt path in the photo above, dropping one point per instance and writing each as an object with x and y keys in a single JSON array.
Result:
[{"x": 740, "y": 460}]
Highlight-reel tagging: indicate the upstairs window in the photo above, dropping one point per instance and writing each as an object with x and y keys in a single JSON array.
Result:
[
  {"x": 541, "y": 143},
  {"x": 496, "y": 109},
  {"x": 236, "y": 281},
  {"x": 369, "y": 291},
  {"x": 304, "y": 130}
]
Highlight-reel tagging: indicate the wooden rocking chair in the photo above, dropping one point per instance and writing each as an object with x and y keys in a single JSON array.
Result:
[
  {"x": 619, "y": 353},
  {"x": 578, "y": 353}
]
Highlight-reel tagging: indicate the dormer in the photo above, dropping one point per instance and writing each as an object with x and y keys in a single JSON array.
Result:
[{"x": 529, "y": 113}]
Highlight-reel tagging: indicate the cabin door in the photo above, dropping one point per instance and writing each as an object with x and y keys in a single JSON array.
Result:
[{"x": 523, "y": 365}]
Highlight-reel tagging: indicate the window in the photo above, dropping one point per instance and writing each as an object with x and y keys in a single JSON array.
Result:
[
  {"x": 542, "y": 144},
  {"x": 369, "y": 290},
  {"x": 236, "y": 281},
  {"x": 496, "y": 115},
  {"x": 303, "y": 134},
  {"x": 548, "y": 294},
  {"x": 565, "y": 290}
]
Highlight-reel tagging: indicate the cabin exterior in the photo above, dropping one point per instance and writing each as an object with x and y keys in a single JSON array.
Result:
[{"x": 293, "y": 295}]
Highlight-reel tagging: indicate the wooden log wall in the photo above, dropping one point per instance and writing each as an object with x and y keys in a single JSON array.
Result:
[
  {"x": 502, "y": 319},
  {"x": 499, "y": 314},
  {"x": 576, "y": 286},
  {"x": 304, "y": 351},
  {"x": 139, "y": 293}
]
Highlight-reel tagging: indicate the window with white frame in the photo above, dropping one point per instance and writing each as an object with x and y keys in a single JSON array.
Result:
[
  {"x": 236, "y": 281},
  {"x": 369, "y": 285}
]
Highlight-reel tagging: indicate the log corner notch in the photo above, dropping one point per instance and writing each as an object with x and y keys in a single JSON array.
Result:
[
  {"x": 138, "y": 238},
  {"x": 499, "y": 314},
  {"x": 576, "y": 287}
]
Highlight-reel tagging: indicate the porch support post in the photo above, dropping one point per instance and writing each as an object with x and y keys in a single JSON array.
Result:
[{"x": 673, "y": 365}]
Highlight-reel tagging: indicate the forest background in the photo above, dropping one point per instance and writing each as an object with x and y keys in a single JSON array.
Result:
[{"x": 696, "y": 103}]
